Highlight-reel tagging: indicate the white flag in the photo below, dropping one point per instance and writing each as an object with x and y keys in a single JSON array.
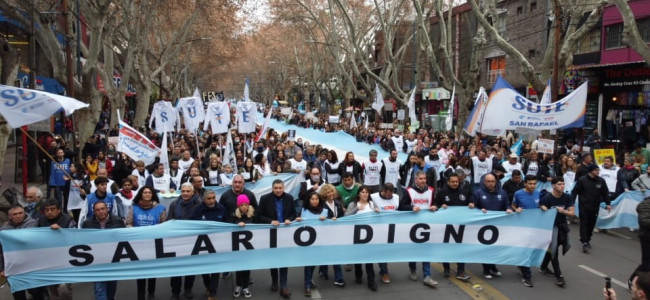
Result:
[
  {"x": 246, "y": 92},
  {"x": 353, "y": 121},
  {"x": 546, "y": 97},
  {"x": 165, "y": 116},
  {"x": 246, "y": 116},
  {"x": 379, "y": 99},
  {"x": 411, "y": 106},
  {"x": 217, "y": 116},
  {"x": 164, "y": 157},
  {"x": 266, "y": 124},
  {"x": 192, "y": 110},
  {"x": 367, "y": 121},
  {"x": 449, "y": 121},
  {"x": 229, "y": 157}
]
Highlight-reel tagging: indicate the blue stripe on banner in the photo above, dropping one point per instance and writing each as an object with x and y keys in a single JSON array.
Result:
[
  {"x": 296, "y": 257},
  {"x": 92, "y": 255},
  {"x": 340, "y": 140}
]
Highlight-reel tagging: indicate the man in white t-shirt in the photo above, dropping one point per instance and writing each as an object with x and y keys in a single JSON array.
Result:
[
  {"x": 512, "y": 164},
  {"x": 386, "y": 201},
  {"x": 371, "y": 172}
]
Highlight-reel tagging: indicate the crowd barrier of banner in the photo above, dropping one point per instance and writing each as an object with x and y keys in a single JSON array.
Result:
[{"x": 177, "y": 248}]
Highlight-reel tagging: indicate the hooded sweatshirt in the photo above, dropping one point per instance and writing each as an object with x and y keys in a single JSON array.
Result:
[
  {"x": 453, "y": 197},
  {"x": 495, "y": 200}
]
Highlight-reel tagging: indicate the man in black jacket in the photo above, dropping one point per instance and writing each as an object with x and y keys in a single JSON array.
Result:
[
  {"x": 513, "y": 184},
  {"x": 452, "y": 195},
  {"x": 102, "y": 219},
  {"x": 592, "y": 189},
  {"x": 275, "y": 208}
]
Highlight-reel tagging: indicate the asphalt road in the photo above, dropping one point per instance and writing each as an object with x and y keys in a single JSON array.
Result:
[{"x": 616, "y": 254}]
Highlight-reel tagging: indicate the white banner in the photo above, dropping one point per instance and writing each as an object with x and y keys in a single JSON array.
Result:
[
  {"x": 218, "y": 117},
  {"x": 246, "y": 116},
  {"x": 507, "y": 109},
  {"x": 136, "y": 145},
  {"x": 334, "y": 119},
  {"x": 165, "y": 116}
]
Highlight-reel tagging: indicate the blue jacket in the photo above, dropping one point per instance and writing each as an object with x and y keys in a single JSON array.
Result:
[
  {"x": 205, "y": 213},
  {"x": 496, "y": 200}
]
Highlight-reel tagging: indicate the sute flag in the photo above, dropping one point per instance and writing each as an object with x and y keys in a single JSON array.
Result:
[
  {"x": 246, "y": 116},
  {"x": 192, "y": 110},
  {"x": 217, "y": 116},
  {"x": 229, "y": 157},
  {"x": 165, "y": 116},
  {"x": 136, "y": 145}
]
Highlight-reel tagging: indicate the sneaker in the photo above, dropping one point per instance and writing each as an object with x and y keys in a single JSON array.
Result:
[
  {"x": 632, "y": 229},
  {"x": 323, "y": 276},
  {"x": 585, "y": 247},
  {"x": 547, "y": 272},
  {"x": 413, "y": 275},
  {"x": 428, "y": 281},
  {"x": 188, "y": 294},
  {"x": 237, "y": 292},
  {"x": 589, "y": 245},
  {"x": 596, "y": 230},
  {"x": 463, "y": 277},
  {"x": 339, "y": 283},
  {"x": 497, "y": 273},
  {"x": 445, "y": 273},
  {"x": 487, "y": 276},
  {"x": 247, "y": 293},
  {"x": 527, "y": 282},
  {"x": 560, "y": 282},
  {"x": 385, "y": 278}
]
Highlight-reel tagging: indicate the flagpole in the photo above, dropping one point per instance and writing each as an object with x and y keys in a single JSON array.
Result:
[{"x": 25, "y": 136}]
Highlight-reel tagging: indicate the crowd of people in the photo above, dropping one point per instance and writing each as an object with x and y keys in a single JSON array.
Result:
[{"x": 107, "y": 189}]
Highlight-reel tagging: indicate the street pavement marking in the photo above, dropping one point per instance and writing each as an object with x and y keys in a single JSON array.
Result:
[
  {"x": 483, "y": 292},
  {"x": 619, "y": 235},
  {"x": 603, "y": 275}
]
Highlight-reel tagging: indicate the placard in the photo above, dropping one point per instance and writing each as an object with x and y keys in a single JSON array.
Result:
[
  {"x": 545, "y": 146},
  {"x": 400, "y": 114},
  {"x": 600, "y": 154},
  {"x": 334, "y": 119}
]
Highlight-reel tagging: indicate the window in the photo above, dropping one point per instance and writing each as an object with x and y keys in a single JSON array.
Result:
[
  {"x": 533, "y": 6},
  {"x": 590, "y": 43},
  {"x": 614, "y": 36},
  {"x": 644, "y": 29},
  {"x": 496, "y": 66},
  {"x": 520, "y": 10}
]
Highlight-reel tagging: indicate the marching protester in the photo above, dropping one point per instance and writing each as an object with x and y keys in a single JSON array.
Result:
[
  {"x": 335, "y": 210},
  {"x": 564, "y": 205},
  {"x": 245, "y": 214},
  {"x": 312, "y": 210},
  {"x": 590, "y": 190},
  {"x": 102, "y": 218},
  {"x": 277, "y": 208},
  {"x": 387, "y": 201},
  {"x": 210, "y": 210},
  {"x": 363, "y": 204},
  {"x": 146, "y": 211},
  {"x": 526, "y": 198}
]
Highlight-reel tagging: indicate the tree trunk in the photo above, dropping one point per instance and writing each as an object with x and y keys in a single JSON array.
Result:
[
  {"x": 9, "y": 60},
  {"x": 142, "y": 105}
]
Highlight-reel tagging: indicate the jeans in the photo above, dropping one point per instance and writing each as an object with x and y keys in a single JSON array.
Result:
[
  {"x": 370, "y": 272},
  {"x": 142, "y": 285},
  {"x": 283, "y": 272},
  {"x": 105, "y": 290},
  {"x": 242, "y": 278},
  {"x": 37, "y": 294},
  {"x": 338, "y": 271},
  {"x": 309, "y": 274},
  {"x": 383, "y": 268},
  {"x": 489, "y": 268},
  {"x": 211, "y": 283},
  {"x": 176, "y": 284},
  {"x": 460, "y": 268},
  {"x": 555, "y": 262},
  {"x": 58, "y": 193},
  {"x": 426, "y": 268},
  {"x": 525, "y": 272}
]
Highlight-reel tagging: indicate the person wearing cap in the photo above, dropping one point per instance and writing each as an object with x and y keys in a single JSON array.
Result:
[
  {"x": 512, "y": 164},
  {"x": 591, "y": 190},
  {"x": 244, "y": 214}
]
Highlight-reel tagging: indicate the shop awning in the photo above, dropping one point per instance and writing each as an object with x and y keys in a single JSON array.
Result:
[{"x": 436, "y": 94}]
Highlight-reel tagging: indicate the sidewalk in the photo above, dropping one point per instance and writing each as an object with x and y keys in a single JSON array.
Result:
[{"x": 9, "y": 171}]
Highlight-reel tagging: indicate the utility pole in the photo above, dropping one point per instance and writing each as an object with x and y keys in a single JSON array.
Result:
[
  {"x": 556, "y": 50},
  {"x": 68, "y": 51}
]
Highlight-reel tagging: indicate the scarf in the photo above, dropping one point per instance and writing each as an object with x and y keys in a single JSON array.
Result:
[
  {"x": 181, "y": 206},
  {"x": 127, "y": 195}
]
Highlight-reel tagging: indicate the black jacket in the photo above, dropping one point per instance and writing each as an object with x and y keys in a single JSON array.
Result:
[
  {"x": 643, "y": 210},
  {"x": 216, "y": 213},
  {"x": 511, "y": 187},
  {"x": 266, "y": 211},
  {"x": 356, "y": 170},
  {"x": 113, "y": 222},
  {"x": 64, "y": 221},
  {"x": 592, "y": 191},
  {"x": 453, "y": 197}
]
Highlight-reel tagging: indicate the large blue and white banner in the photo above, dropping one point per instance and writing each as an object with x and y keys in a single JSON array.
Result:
[
  {"x": 177, "y": 248},
  {"x": 506, "y": 109}
]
